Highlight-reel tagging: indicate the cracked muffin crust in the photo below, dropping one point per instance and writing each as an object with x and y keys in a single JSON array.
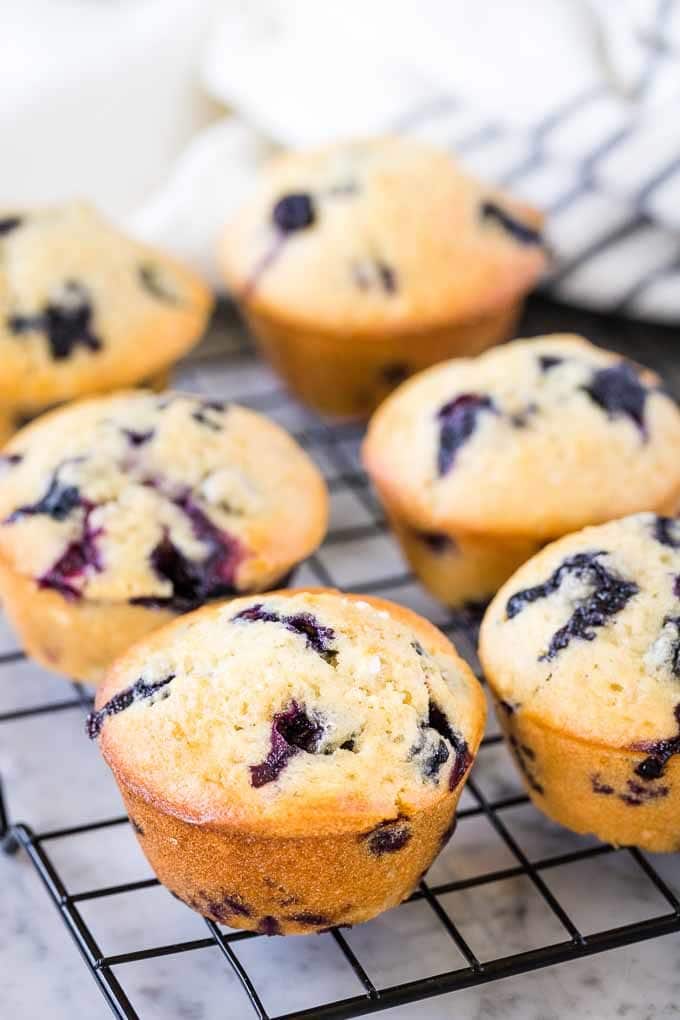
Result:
[
  {"x": 119, "y": 512},
  {"x": 85, "y": 309},
  {"x": 361, "y": 263},
  {"x": 481, "y": 461},
  {"x": 581, "y": 648},
  {"x": 292, "y": 761}
]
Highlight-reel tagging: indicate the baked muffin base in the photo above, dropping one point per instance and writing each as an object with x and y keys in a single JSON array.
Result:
[
  {"x": 594, "y": 789},
  {"x": 348, "y": 375},
  {"x": 460, "y": 569},
  {"x": 289, "y": 886},
  {"x": 79, "y": 639}
]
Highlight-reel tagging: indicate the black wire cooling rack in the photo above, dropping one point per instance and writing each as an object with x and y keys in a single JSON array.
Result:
[{"x": 335, "y": 449}]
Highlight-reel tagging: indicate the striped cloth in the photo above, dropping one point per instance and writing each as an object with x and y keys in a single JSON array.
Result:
[{"x": 572, "y": 104}]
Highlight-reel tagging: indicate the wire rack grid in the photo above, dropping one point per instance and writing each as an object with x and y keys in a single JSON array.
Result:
[{"x": 459, "y": 962}]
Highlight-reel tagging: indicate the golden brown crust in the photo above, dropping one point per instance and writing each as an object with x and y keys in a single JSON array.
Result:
[
  {"x": 461, "y": 568},
  {"x": 333, "y": 814},
  {"x": 600, "y": 792},
  {"x": 77, "y": 639},
  {"x": 321, "y": 865},
  {"x": 348, "y": 373},
  {"x": 292, "y": 886}
]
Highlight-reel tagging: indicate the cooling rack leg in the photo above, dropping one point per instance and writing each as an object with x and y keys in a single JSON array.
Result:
[{"x": 10, "y": 845}]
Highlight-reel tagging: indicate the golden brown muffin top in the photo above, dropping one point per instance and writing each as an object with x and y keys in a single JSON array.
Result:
[
  {"x": 161, "y": 500},
  {"x": 586, "y": 635},
  {"x": 536, "y": 437},
  {"x": 292, "y": 712},
  {"x": 83, "y": 306},
  {"x": 378, "y": 236}
]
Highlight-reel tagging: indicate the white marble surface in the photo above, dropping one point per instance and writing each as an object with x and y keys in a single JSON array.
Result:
[{"x": 54, "y": 778}]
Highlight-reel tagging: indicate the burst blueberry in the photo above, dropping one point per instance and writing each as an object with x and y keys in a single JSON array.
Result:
[
  {"x": 138, "y": 691},
  {"x": 293, "y": 730},
  {"x": 317, "y": 637},
  {"x": 610, "y": 594},
  {"x": 294, "y": 212},
  {"x": 458, "y": 420},
  {"x": 619, "y": 392},
  {"x": 66, "y": 321}
]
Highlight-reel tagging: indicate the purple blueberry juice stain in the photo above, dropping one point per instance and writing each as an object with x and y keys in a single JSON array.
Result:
[
  {"x": 152, "y": 284},
  {"x": 269, "y": 925},
  {"x": 58, "y": 501},
  {"x": 66, "y": 322},
  {"x": 194, "y": 581},
  {"x": 619, "y": 392},
  {"x": 610, "y": 594},
  {"x": 599, "y": 787},
  {"x": 229, "y": 905},
  {"x": 80, "y": 557},
  {"x": 434, "y": 755},
  {"x": 658, "y": 752},
  {"x": 388, "y": 837},
  {"x": 317, "y": 637},
  {"x": 521, "y": 232},
  {"x": 265, "y": 262},
  {"x": 138, "y": 691},
  {"x": 9, "y": 223},
  {"x": 293, "y": 730},
  {"x": 667, "y": 531},
  {"x": 458, "y": 420},
  {"x": 636, "y": 794},
  {"x": 10, "y": 460},
  {"x": 436, "y": 541}
]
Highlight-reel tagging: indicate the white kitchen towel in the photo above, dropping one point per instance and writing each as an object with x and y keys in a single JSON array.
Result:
[{"x": 572, "y": 104}]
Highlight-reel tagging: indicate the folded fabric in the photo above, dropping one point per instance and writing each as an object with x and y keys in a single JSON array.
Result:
[{"x": 571, "y": 104}]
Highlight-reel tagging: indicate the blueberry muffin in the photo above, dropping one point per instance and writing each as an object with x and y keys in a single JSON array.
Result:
[
  {"x": 480, "y": 462},
  {"x": 85, "y": 309},
  {"x": 119, "y": 512},
  {"x": 292, "y": 761},
  {"x": 359, "y": 264},
  {"x": 581, "y": 648}
]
